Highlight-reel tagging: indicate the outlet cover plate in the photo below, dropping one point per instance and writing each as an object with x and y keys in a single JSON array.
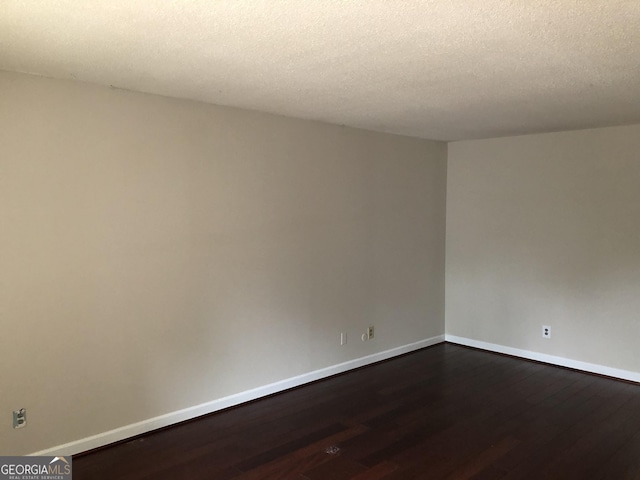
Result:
[{"x": 19, "y": 418}]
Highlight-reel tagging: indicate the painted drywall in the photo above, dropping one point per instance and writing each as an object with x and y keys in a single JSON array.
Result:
[
  {"x": 157, "y": 253},
  {"x": 545, "y": 230}
]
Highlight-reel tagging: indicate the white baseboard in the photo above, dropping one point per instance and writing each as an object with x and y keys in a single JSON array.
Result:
[
  {"x": 189, "y": 413},
  {"x": 542, "y": 357}
]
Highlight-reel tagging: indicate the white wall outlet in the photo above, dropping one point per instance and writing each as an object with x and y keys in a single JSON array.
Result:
[
  {"x": 546, "y": 331},
  {"x": 370, "y": 333},
  {"x": 20, "y": 418},
  {"x": 343, "y": 338}
]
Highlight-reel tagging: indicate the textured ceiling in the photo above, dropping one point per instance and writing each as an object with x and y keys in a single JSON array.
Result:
[{"x": 439, "y": 69}]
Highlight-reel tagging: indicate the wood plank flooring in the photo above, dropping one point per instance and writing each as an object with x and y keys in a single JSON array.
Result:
[{"x": 444, "y": 412}]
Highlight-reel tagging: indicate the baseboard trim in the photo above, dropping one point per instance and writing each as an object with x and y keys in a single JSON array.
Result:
[
  {"x": 145, "y": 426},
  {"x": 552, "y": 359}
]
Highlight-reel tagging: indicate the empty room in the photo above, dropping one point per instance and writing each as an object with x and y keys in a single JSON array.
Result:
[{"x": 320, "y": 239}]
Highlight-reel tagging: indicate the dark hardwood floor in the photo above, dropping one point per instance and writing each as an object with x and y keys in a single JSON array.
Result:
[{"x": 444, "y": 412}]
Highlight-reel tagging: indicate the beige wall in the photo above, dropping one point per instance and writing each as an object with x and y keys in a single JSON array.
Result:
[
  {"x": 545, "y": 229},
  {"x": 157, "y": 253}
]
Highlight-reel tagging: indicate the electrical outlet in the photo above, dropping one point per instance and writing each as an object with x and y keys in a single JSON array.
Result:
[
  {"x": 20, "y": 418},
  {"x": 343, "y": 338},
  {"x": 370, "y": 333},
  {"x": 546, "y": 331}
]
